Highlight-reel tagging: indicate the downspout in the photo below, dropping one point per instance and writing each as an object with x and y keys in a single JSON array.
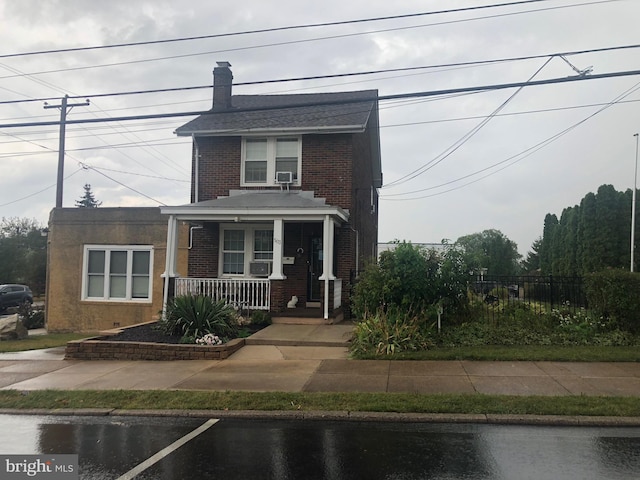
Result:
[
  {"x": 196, "y": 169},
  {"x": 357, "y": 250},
  {"x": 191, "y": 229}
]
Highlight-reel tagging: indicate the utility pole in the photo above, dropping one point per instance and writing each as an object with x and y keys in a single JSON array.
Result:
[
  {"x": 64, "y": 107},
  {"x": 633, "y": 205}
]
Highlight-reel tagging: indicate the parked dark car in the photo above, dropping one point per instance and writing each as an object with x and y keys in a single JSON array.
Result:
[{"x": 12, "y": 295}]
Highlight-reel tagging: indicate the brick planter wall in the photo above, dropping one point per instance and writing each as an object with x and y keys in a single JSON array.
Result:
[{"x": 95, "y": 349}]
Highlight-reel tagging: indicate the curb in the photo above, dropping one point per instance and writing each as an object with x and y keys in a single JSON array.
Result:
[{"x": 491, "y": 419}]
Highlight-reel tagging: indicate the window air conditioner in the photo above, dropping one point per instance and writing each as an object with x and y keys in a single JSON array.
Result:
[
  {"x": 284, "y": 177},
  {"x": 260, "y": 268}
]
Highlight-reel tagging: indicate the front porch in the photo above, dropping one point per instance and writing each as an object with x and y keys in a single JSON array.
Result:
[
  {"x": 264, "y": 250},
  {"x": 249, "y": 294}
]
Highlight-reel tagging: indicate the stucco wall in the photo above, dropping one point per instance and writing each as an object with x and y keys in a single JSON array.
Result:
[{"x": 70, "y": 229}]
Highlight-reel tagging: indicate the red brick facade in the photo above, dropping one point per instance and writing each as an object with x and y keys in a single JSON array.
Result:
[{"x": 336, "y": 167}]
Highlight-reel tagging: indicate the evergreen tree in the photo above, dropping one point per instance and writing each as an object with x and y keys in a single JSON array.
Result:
[
  {"x": 546, "y": 251},
  {"x": 87, "y": 200},
  {"x": 589, "y": 237},
  {"x": 590, "y": 261},
  {"x": 531, "y": 264}
]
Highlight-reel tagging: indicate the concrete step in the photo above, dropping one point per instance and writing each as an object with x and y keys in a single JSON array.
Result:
[
  {"x": 302, "y": 321},
  {"x": 303, "y": 335}
]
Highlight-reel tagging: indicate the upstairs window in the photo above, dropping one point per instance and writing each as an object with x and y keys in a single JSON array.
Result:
[{"x": 263, "y": 157}]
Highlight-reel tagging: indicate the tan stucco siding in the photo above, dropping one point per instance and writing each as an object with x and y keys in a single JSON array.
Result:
[{"x": 69, "y": 231}]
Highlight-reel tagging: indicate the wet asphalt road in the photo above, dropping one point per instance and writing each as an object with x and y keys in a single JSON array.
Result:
[{"x": 108, "y": 447}]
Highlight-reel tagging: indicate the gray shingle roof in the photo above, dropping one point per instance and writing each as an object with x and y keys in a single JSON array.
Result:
[
  {"x": 265, "y": 199},
  {"x": 299, "y": 112}
]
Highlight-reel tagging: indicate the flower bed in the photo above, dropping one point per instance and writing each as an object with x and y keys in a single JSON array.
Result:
[{"x": 117, "y": 345}]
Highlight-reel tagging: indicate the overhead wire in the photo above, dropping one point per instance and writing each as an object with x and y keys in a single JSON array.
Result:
[
  {"x": 333, "y": 37},
  {"x": 532, "y": 1},
  {"x": 460, "y": 142},
  {"x": 519, "y": 156},
  {"x": 267, "y": 30}
]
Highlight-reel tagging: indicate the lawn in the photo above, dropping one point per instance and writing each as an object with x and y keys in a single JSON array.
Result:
[
  {"x": 327, "y": 402},
  {"x": 37, "y": 342}
]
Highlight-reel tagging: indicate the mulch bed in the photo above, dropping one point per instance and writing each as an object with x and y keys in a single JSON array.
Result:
[
  {"x": 147, "y": 333},
  {"x": 143, "y": 333}
]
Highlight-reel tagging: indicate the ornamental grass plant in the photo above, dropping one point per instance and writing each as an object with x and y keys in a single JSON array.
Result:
[{"x": 194, "y": 316}]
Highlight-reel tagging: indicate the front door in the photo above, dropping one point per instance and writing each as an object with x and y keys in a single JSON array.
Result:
[{"x": 315, "y": 269}]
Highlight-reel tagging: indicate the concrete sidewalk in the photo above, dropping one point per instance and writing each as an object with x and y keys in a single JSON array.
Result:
[{"x": 314, "y": 358}]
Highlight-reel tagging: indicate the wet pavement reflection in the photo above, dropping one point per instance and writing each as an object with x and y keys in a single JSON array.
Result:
[{"x": 280, "y": 449}]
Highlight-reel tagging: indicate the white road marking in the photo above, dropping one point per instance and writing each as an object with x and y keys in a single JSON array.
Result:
[{"x": 168, "y": 450}]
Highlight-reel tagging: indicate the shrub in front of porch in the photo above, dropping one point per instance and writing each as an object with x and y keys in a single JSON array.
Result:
[{"x": 194, "y": 316}]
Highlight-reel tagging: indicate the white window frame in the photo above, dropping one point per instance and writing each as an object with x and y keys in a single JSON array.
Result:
[
  {"x": 107, "y": 249},
  {"x": 249, "y": 253},
  {"x": 271, "y": 160}
]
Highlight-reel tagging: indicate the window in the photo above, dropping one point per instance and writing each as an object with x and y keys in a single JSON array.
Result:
[
  {"x": 117, "y": 273},
  {"x": 263, "y": 157},
  {"x": 240, "y": 246},
  {"x": 263, "y": 245},
  {"x": 233, "y": 252}
]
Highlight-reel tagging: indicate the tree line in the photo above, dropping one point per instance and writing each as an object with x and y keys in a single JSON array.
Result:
[
  {"x": 23, "y": 248},
  {"x": 589, "y": 237}
]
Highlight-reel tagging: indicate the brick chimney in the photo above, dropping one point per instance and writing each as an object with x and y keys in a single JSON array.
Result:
[{"x": 222, "y": 79}]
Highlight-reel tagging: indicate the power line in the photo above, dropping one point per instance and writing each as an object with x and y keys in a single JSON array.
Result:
[
  {"x": 453, "y": 148},
  {"x": 514, "y": 158},
  {"x": 270, "y": 30},
  {"x": 399, "y": 96},
  {"x": 336, "y": 75},
  {"x": 333, "y": 37}
]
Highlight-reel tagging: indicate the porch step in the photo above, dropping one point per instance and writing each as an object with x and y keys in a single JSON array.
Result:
[
  {"x": 303, "y": 335},
  {"x": 302, "y": 321}
]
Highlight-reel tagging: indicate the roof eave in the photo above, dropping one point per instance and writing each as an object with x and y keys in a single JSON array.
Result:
[
  {"x": 236, "y": 214},
  {"x": 271, "y": 131}
]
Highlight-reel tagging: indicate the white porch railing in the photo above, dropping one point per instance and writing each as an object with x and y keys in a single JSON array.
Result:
[{"x": 243, "y": 293}]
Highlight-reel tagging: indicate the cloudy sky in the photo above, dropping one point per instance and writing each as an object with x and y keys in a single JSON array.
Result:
[{"x": 453, "y": 164}]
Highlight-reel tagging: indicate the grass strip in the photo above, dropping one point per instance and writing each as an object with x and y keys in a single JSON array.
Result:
[
  {"x": 37, "y": 342},
  {"x": 354, "y": 402}
]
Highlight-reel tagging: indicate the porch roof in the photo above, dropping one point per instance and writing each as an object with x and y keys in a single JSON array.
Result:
[{"x": 243, "y": 205}]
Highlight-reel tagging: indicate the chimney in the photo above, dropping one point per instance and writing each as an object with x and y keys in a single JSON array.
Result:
[{"x": 222, "y": 79}]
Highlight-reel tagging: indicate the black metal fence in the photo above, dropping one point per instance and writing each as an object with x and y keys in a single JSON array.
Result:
[{"x": 539, "y": 293}]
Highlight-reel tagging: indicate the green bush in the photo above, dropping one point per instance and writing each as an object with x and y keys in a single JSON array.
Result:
[
  {"x": 615, "y": 296},
  {"x": 413, "y": 279},
  {"x": 194, "y": 316},
  {"x": 501, "y": 293},
  {"x": 260, "y": 318}
]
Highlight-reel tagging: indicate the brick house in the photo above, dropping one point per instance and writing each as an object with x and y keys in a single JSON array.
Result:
[
  {"x": 284, "y": 205},
  {"x": 284, "y": 200}
]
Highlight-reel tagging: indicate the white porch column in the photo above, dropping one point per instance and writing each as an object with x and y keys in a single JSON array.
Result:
[
  {"x": 170, "y": 261},
  {"x": 278, "y": 247},
  {"x": 328, "y": 248},
  {"x": 327, "y": 259}
]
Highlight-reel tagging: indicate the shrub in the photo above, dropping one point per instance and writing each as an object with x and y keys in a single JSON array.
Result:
[
  {"x": 390, "y": 332},
  {"x": 414, "y": 279},
  {"x": 615, "y": 295},
  {"x": 260, "y": 318},
  {"x": 31, "y": 317},
  {"x": 195, "y": 316}
]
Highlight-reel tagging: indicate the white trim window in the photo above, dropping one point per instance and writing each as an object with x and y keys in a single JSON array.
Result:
[
  {"x": 262, "y": 157},
  {"x": 117, "y": 273},
  {"x": 240, "y": 246}
]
